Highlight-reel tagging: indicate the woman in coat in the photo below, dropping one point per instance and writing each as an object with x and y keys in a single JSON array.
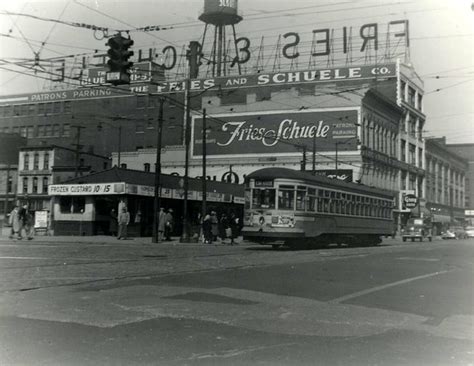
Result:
[
  {"x": 14, "y": 221},
  {"x": 207, "y": 229}
]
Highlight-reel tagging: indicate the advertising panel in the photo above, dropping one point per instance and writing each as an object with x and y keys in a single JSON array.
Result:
[
  {"x": 279, "y": 132},
  {"x": 345, "y": 175},
  {"x": 86, "y": 189}
]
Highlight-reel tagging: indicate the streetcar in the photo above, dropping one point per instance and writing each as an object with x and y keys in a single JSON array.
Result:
[{"x": 299, "y": 209}]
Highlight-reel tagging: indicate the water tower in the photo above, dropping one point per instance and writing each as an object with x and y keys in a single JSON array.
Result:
[{"x": 222, "y": 15}]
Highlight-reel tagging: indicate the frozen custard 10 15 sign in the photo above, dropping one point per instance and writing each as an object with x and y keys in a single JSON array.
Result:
[{"x": 276, "y": 132}]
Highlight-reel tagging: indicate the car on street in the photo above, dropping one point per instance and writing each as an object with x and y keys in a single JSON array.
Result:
[
  {"x": 456, "y": 232},
  {"x": 470, "y": 231},
  {"x": 417, "y": 229}
]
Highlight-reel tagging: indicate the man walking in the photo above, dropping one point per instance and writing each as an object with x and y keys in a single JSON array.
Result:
[
  {"x": 169, "y": 223},
  {"x": 123, "y": 221}
]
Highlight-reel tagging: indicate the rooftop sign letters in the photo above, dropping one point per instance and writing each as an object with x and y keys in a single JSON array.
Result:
[{"x": 229, "y": 82}]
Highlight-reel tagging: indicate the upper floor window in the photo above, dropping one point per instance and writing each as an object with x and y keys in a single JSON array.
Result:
[
  {"x": 123, "y": 166},
  {"x": 36, "y": 161},
  {"x": 35, "y": 185},
  {"x": 45, "y": 184},
  {"x": 146, "y": 167},
  {"x": 420, "y": 102},
  {"x": 46, "y": 161},
  {"x": 402, "y": 89},
  {"x": 26, "y": 162},
  {"x": 25, "y": 185},
  {"x": 411, "y": 96}
]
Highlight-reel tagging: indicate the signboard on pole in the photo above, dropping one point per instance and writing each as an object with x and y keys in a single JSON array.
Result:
[{"x": 41, "y": 219}]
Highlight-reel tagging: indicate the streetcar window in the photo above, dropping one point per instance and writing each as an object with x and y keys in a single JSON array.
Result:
[
  {"x": 248, "y": 198},
  {"x": 263, "y": 198},
  {"x": 311, "y": 201},
  {"x": 321, "y": 192},
  {"x": 286, "y": 198},
  {"x": 300, "y": 199}
]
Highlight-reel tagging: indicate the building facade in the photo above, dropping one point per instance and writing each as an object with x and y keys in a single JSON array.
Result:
[
  {"x": 445, "y": 184},
  {"x": 40, "y": 166},
  {"x": 10, "y": 145}
]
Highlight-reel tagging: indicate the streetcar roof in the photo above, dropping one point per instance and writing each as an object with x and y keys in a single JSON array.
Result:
[{"x": 317, "y": 179}]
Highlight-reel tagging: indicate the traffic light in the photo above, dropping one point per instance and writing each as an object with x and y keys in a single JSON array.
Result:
[
  {"x": 194, "y": 55},
  {"x": 118, "y": 63}
]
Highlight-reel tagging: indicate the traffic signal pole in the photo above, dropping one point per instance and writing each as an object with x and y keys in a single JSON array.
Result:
[{"x": 157, "y": 193}]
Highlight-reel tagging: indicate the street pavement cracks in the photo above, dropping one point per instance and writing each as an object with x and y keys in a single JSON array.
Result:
[{"x": 62, "y": 294}]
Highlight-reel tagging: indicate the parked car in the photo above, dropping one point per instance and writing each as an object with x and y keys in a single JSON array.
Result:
[
  {"x": 417, "y": 229},
  {"x": 470, "y": 231},
  {"x": 456, "y": 232}
]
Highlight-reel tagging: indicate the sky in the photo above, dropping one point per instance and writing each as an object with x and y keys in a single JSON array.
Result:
[{"x": 441, "y": 40}]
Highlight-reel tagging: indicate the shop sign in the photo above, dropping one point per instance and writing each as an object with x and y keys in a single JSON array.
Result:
[
  {"x": 41, "y": 219},
  {"x": 278, "y": 132},
  {"x": 410, "y": 200},
  {"x": 86, "y": 189}
]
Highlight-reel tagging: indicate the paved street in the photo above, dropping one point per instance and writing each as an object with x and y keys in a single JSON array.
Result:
[{"x": 95, "y": 300}]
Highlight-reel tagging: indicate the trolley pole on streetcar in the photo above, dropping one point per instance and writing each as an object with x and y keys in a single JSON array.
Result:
[{"x": 157, "y": 193}]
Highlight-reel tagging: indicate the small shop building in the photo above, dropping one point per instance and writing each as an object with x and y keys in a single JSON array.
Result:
[{"x": 83, "y": 206}]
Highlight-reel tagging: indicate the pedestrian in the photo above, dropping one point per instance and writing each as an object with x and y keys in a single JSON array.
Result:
[
  {"x": 161, "y": 223},
  {"x": 234, "y": 228},
  {"x": 123, "y": 221},
  {"x": 207, "y": 229},
  {"x": 14, "y": 222},
  {"x": 169, "y": 224},
  {"x": 28, "y": 224},
  {"x": 223, "y": 227},
  {"x": 214, "y": 225},
  {"x": 113, "y": 222},
  {"x": 23, "y": 221}
]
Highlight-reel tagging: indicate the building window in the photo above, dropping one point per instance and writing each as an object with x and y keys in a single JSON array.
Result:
[
  {"x": 105, "y": 166},
  {"x": 26, "y": 162},
  {"x": 16, "y": 110},
  {"x": 36, "y": 161},
  {"x": 48, "y": 130},
  {"x": 46, "y": 161},
  {"x": 41, "y": 109},
  {"x": 403, "y": 156},
  {"x": 40, "y": 131},
  {"x": 150, "y": 125},
  {"x": 35, "y": 185},
  {"x": 66, "y": 130},
  {"x": 411, "y": 96},
  {"x": 45, "y": 184},
  {"x": 123, "y": 166},
  {"x": 142, "y": 101},
  {"x": 146, "y": 167},
  {"x": 67, "y": 107},
  {"x": 402, "y": 89},
  {"x": 69, "y": 204},
  {"x": 25, "y": 185},
  {"x": 56, "y": 130},
  {"x": 411, "y": 156},
  {"x": 57, "y": 107},
  {"x": 30, "y": 131},
  {"x": 139, "y": 127},
  {"x": 23, "y": 131}
]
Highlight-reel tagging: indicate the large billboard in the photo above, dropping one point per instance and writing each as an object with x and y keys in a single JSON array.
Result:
[{"x": 277, "y": 132}]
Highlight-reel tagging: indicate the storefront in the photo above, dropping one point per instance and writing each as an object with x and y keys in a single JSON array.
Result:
[{"x": 83, "y": 206}]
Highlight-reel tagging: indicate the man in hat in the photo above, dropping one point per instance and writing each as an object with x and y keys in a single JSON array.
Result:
[{"x": 123, "y": 221}]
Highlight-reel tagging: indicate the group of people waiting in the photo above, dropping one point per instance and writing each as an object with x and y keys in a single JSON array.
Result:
[
  {"x": 227, "y": 227},
  {"x": 21, "y": 222}
]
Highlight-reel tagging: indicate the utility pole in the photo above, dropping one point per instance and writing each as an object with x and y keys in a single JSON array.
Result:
[
  {"x": 303, "y": 163},
  {"x": 185, "y": 234},
  {"x": 193, "y": 55},
  {"x": 7, "y": 191},
  {"x": 119, "y": 144},
  {"x": 157, "y": 194},
  {"x": 337, "y": 144},
  {"x": 204, "y": 154},
  {"x": 78, "y": 147},
  {"x": 314, "y": 154}
]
